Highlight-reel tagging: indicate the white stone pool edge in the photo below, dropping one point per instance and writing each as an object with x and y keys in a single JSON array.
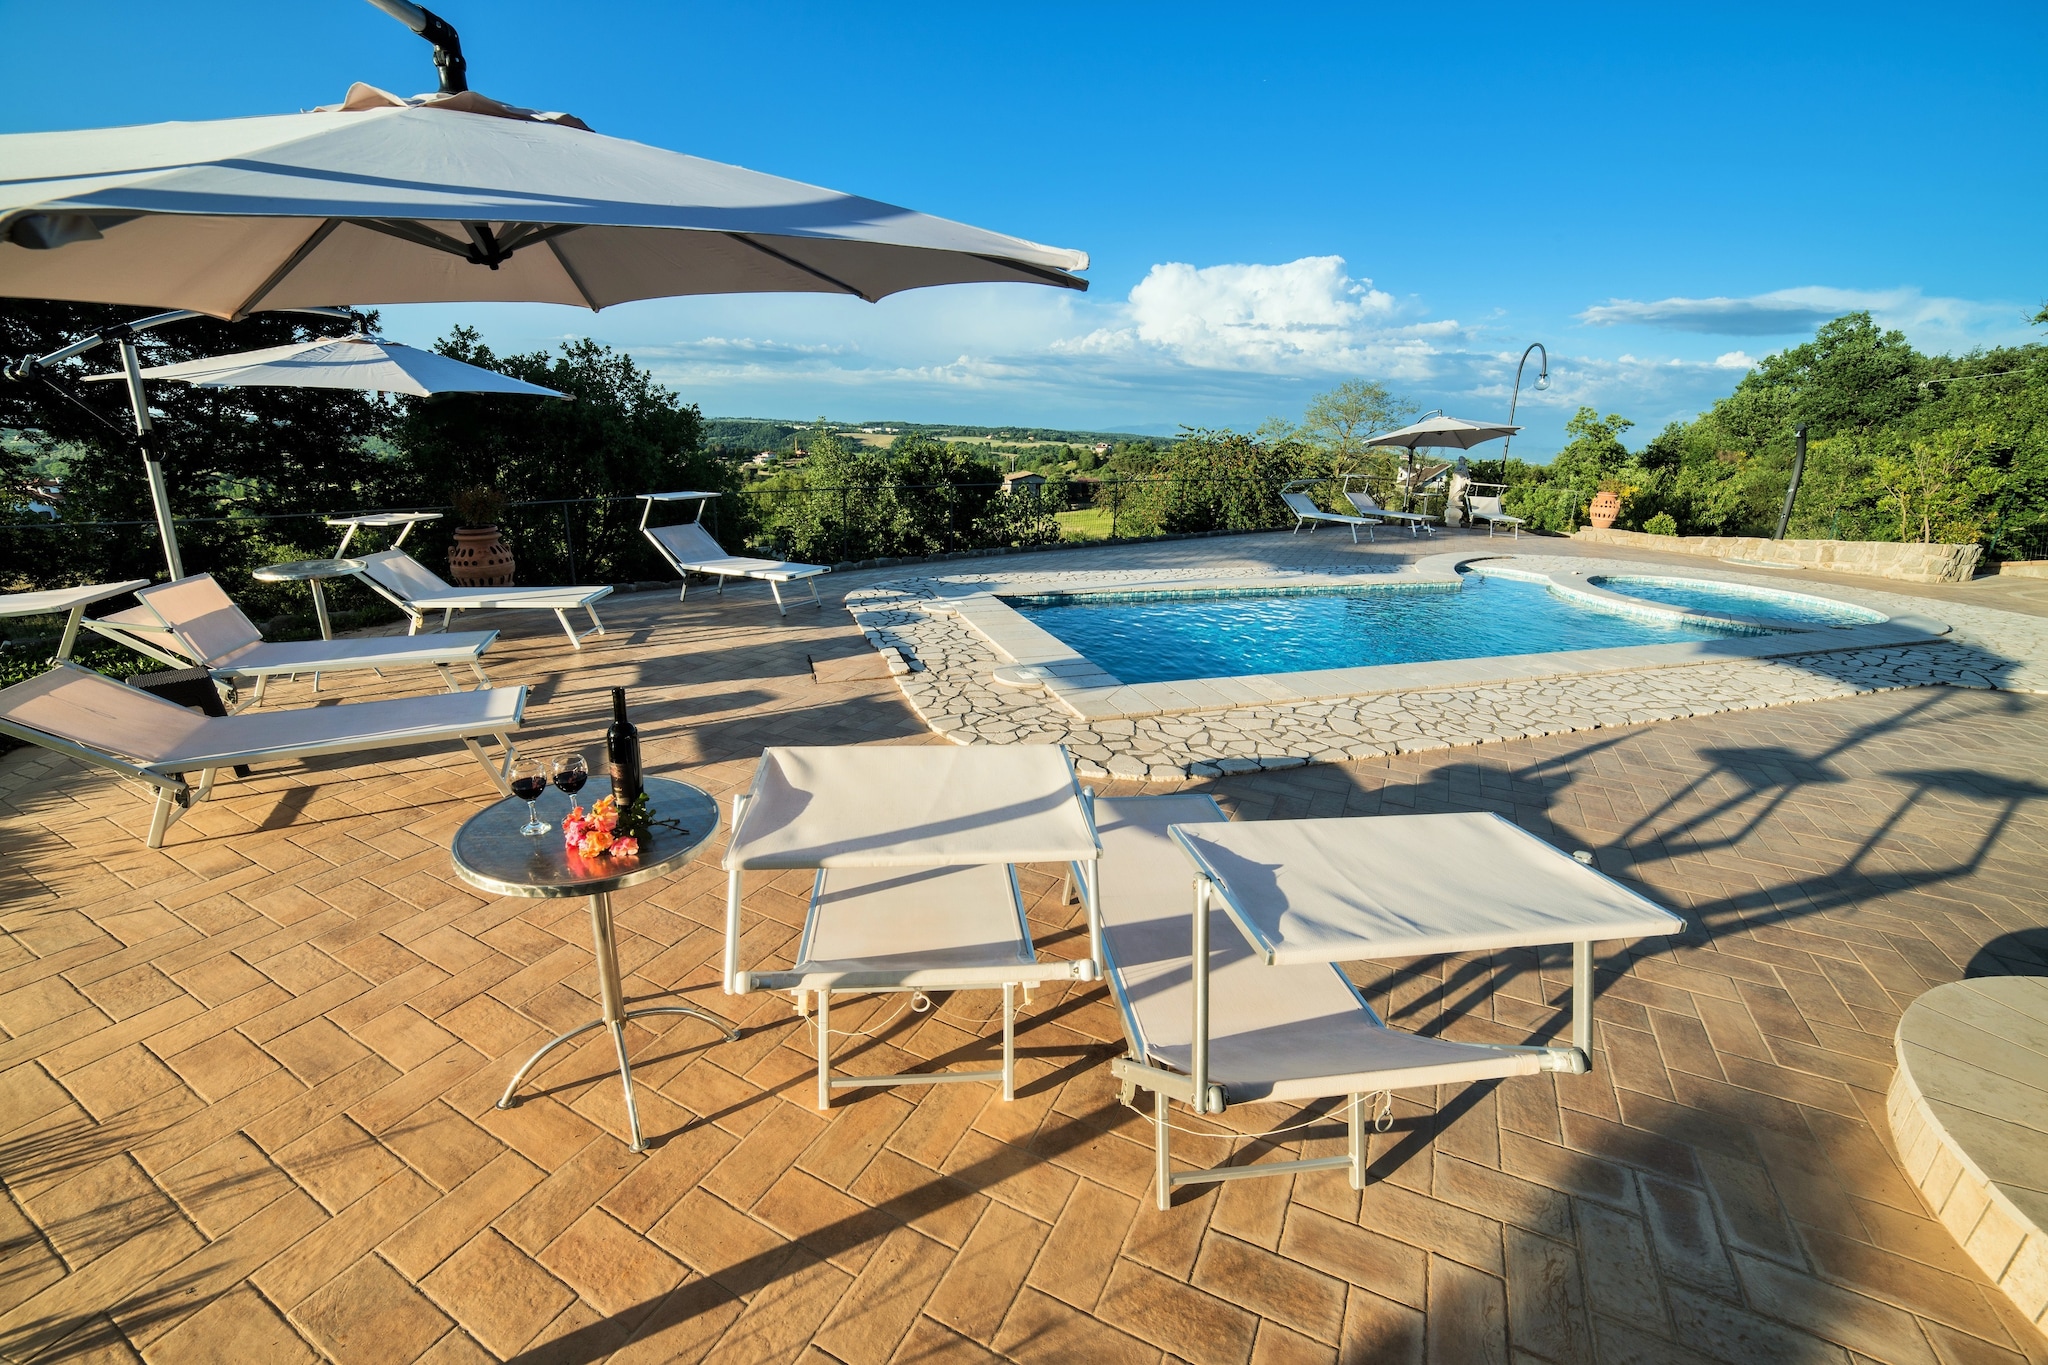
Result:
[{"x": 959, "y": 635}]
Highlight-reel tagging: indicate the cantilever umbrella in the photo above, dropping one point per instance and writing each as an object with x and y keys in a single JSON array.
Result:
[
  {"x": 1451, "y": 432},
  {"x": 442, "y": 198}
]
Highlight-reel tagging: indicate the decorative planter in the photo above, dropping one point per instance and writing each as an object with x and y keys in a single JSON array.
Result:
[
  {"x": 1606, "y": 507},
  {"x": 479, "y": 558}
]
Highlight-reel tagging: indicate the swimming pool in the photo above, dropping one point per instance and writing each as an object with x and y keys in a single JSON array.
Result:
[
  {"x": 1153, "y": 637},
  {"x": 1733, "y": 599}
]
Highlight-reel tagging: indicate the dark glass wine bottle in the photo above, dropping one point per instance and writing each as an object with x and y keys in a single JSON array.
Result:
[{"x": 622, "y": 749}]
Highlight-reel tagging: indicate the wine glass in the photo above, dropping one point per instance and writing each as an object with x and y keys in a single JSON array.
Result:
[
  {"x": 571, "y": 772},
  {"x": 529, "y": 780}
]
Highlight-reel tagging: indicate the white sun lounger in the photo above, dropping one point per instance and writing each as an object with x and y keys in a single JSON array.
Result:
[
  {"x": 70, "y": 601},
  {"x": 417, "y": 591},
  {"x": 1418, "y": 523},
  {"x": 1307, "y": 513},
  {"x": 157, "y": 743},
  {"x": 915, "y": 850},
  {"x": 689, "y": 548},
  {"x": 1276, "y": 904},
  {"x": 1487, "y": 509},
  {"x": 193, "y": 622}
]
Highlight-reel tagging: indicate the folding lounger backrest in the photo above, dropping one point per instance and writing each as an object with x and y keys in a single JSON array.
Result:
[
  {"x": 400, "y": 574},
  {"x": 1365, "y": 503},
  {"x": 1304, "y": 506},
  {"x": 203, "y": 616},
  {"x": 1488, "y": 507},
  {"x": 94, "y": 712},
  {"x": 687, "y": 543}
]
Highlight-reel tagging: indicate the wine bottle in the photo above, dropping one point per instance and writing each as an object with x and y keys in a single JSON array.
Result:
[{"x": 622, "y": 749}]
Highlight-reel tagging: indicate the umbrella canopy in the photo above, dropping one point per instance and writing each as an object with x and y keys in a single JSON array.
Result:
[
  {"x": 1451, "y": 432},
  {"x": 350, "y": 362},
  {"x": 444, "y": 199}
]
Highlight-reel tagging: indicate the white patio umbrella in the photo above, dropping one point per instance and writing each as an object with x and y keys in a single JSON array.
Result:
[
  {"x": 442, "y": 198},
  {"x": 349, "y": 362},
  {"x": 1453, "y": 433},
  {"x": 447, "y": 199}
]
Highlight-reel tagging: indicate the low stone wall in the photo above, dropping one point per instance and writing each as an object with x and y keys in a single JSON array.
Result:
[{"x": 1908, "y": 563}]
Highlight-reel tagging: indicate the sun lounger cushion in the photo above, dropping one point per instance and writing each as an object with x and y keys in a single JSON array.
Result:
[
  {"x": 213, "y": 629},
  {"x": 1305, "y": 509},
  {"x": 1275, "y": 1033},
  {"x": 692, "y": 550},
  {"x": 97, "y": 713},
  {"x": 405, "y": 577}
]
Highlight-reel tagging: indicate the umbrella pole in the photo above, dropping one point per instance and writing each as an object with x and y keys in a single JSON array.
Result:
[{"x": 159, "y": 495}]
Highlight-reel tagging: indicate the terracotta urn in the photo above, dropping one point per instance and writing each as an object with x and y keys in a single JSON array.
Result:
[
  {"x": 1606, "y": 507},
  {"x": 479, "y": 558}
]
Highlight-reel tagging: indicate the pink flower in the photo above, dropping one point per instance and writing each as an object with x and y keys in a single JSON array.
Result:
[{"x": 625, "y": 848}]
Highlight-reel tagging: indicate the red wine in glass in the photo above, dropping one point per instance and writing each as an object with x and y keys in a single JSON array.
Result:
[
  {"x": 571, "y": 772},
  {"x": 529, "y": 780}
]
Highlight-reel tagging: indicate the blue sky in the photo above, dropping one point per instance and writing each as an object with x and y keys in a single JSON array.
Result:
[{"x": 1275, "y": 198}]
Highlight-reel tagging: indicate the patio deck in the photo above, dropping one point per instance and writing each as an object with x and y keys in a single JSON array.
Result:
[{"x": 246, "y": 1083}]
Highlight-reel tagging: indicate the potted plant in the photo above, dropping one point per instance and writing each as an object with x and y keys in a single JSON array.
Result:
[
  {"x": 1606, "y": 504},
  {"x": 479, "y": 558}
]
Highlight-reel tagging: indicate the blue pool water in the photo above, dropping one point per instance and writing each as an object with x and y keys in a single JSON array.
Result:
[
  {"x": 1155, "y": 639},
  {"x": 1757, "y": 604}
]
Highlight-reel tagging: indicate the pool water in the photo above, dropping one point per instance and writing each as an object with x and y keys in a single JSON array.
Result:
[
  {"x": 1151, "y": 638},
  {"x": 1757, "y": 604}
]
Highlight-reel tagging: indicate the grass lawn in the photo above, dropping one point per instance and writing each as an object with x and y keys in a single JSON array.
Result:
[{"x": 1088, "y": 523}]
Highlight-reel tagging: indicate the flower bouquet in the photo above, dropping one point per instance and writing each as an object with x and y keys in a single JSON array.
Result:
[{"x": 605, "y": 830}]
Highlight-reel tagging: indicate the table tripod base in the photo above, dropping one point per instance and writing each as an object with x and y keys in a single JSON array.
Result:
[{"x": 618, "y": 1029}]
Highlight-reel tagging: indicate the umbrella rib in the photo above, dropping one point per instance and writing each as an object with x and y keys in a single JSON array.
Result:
[
  {"x": 416, "y": 233},
  {"x": 563, "y": 261},
  {"x": 1058, "y": 277},
  {"x": 793, "y": 261},
  {"x": 291, "y": 263}
]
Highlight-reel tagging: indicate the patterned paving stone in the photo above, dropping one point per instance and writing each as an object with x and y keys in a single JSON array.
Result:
[{"x": 247, "y": 1081}]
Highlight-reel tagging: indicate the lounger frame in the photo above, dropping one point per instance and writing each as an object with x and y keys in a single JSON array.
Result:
[
  {"x": 482, "y": 599},
  {"x": 1418, "y": 523},
  {"x": 1194, "y": 1088},
  {"x": 164, "y": 782},
  {"x": 1306, "y": 513},
  {"x": 772, "y": 572}
]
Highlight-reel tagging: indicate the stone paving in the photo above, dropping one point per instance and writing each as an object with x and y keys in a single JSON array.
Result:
[
  {"x": 957, "y": 652},
  {"x": 246, "y": 1081}
]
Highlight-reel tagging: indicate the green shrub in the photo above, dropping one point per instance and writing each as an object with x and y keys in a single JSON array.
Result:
[{"x": 1663, "y": 524}]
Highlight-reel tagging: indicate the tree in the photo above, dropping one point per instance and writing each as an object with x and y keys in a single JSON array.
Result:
[
  {"x": 619, "y": 434},
  {"x": 230, "y": 456},
  {"x": 1336, "y": 424}
]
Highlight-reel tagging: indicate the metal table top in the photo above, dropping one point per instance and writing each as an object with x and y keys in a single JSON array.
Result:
[
  {"x": 302, "y": 570},
  {"x": 492, "y": 855}
]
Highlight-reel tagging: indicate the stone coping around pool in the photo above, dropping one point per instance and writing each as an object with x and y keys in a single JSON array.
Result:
[
  {"x": 940, "y": 625},
  {"x": 1036, "y": 658}
]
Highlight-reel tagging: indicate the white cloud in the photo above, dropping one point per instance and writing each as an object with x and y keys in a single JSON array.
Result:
[
  {"x": 1735, "y": 360},
  {"x": 1309, "y": 314},
  {"x": 1938, "y": 323}
]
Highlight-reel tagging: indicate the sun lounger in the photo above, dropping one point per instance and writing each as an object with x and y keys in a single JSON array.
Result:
[
  {"x": 193, "y": 621},
  {"x": 689, "y": 548},
  {"x": 70, "y": 601},
  {"x": 417, "y": 591},
  {"x": 1418, "y": 523},
  {"x": 158, "y": 743},
  {"x": 915, "y": 852},
  {"x": 1271, "y": 1018},
  {"x": 1487, "y": 509},
  {"x": 1307, "y": 513}
]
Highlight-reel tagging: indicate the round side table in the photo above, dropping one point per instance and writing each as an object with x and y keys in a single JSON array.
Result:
[
  {"x": 310, "y": 572},
  {"x": 492, "y": 855}
]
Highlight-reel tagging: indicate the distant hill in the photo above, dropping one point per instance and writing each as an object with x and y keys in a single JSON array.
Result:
[{"x": 746, "y": 435}]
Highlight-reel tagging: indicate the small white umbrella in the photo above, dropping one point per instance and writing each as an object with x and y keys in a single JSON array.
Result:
[{"x": 350, "y": 362}]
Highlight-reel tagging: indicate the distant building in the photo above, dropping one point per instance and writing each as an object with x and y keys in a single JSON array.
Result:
[
  {"x": 1023, "y": 478},
  {"x": 1102, "y": 447},
  {"x": 764, "y": 456}
]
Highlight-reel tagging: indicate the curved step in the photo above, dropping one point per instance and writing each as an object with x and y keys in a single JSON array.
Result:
[{"x": 1969, "y": 1107}]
